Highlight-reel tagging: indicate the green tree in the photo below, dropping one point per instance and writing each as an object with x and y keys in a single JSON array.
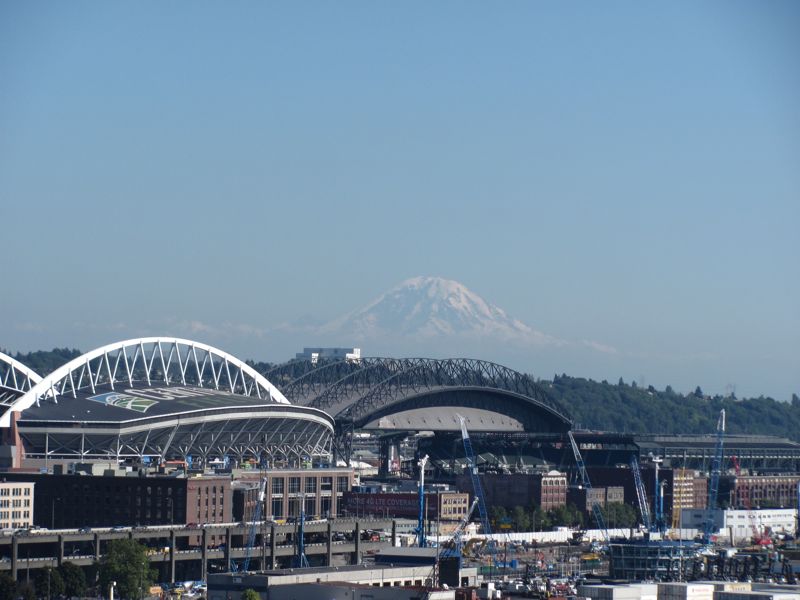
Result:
[
  {"x": 74, "y": 579},
  {"x": 520, "y": 518},
  {"x": 250, "y": 594},
  {"x": 8, "y": 587},
  {"x": 497, "y": 514},
  {"x": 126, "y": 563},
  {"x": 567, "y": 516},
  {"x": 619, "y": 515},
  {"x": 541, "y": 520},
  {"x": 48, "y": 583},
  {"x": 25, "y": 591}
]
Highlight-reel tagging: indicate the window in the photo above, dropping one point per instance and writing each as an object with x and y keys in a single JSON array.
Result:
[
  {"x": 277, "y": 486},
  {"x": 294, "y": 485},
  {"x": 342, "y": 484},
  {"x": 310, "y": 507},
  {"x": 311, "y": 485},
  {"x": 327, "y": 484},
  {"x": 277, "y": 508},
  {"x": 294, "y": 508}
]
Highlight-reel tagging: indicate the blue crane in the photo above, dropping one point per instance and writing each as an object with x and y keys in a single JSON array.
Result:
[
  {"x": 716, "y": 471},
  {"x": 644, "y": 509},
  {"x": 476, "y": 485},
  {"x": 597, "y": 512},
  {"x": 251, "y": 537},
  {"x": 300, "y": 560}
]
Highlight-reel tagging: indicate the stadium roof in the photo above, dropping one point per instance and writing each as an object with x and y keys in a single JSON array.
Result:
[{"x": 167, "y": 398}]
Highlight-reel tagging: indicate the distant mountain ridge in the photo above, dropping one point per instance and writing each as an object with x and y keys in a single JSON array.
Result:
[{"x": 431, "y": 307}]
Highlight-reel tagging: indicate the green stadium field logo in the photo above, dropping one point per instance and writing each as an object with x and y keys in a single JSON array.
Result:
[{"x": 124, "y": 401}]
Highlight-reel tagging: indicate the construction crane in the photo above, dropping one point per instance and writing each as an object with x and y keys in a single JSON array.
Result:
[
  {"x": 658, "y": 507},
  {"x": 713, "y": 488},
  {"x": 644, "y": 509},
  {"x": 597, "y": 512},
  {"x": 476, "y": 485},
  {"x": 421, "y": 509},
  {"x": 759, "y": 537},
  {"x": 300, "y": 560},
  {"x": 454, "y": 549},
  {"x": 251, "y": 536},
  {"x": 476, "y": 481}
]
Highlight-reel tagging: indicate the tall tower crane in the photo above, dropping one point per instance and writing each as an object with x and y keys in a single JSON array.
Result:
[
  {"x": 596, "y": 510},
  {"x": 644, "y": 509},
  {"x": 251, "y": 536},
  {"x": 476, "y": 485},
  {"x": 658, "y": 497},
  {"x": 713, "y": 488}
]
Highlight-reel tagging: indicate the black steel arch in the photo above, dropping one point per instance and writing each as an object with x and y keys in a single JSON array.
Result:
[
  {"x": 351, "y": 387},
  {"x": 353, "y": 390},
  {"x": 430, "y": 376}
]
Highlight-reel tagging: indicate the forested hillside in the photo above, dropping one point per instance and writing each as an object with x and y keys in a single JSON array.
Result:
[
  {"x": 629, "y": 408},
  {"x": 45, "y": 361}
]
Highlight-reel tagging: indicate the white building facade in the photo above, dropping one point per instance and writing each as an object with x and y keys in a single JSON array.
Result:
[
  {"x": 741, "y": 523},
  {"x": 16, "y": 505}
]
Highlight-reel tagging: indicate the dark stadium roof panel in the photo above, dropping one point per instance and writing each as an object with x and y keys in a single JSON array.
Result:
[{"x": 138, "y": 402}]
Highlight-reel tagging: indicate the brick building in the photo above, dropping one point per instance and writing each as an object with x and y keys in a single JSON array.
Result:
[
  {"x": 765, "y": 491},
  {"x": 445, "y": 506},
  {"x": 584, "y": 499},
  {"x": 318, "y": 491},
  {"x": 548, "y": 490}
]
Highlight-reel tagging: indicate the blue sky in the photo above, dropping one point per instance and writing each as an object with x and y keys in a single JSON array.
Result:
[{"x": 622, "y": 172}]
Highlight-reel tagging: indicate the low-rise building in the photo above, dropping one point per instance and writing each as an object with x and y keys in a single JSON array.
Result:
[
  {"x": 443, "y": 506},
  {"x": 765, "y": 491},
  {"x": 547, "y": 490},
  {"x": 584, "y": 499},
  {"x": 16, "y": 504},
  {"x": 317, "y": 354},
  {"x": 741, "y": 522},
  {"x": 318, "y": 491}
]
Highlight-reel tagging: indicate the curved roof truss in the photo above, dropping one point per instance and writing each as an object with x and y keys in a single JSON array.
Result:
[
  {"x": 149, "y": 361},
  {"x": 431, "y": 375},
  {"x": 15, "y": 380},
  {"x": 355, "y": 390}
]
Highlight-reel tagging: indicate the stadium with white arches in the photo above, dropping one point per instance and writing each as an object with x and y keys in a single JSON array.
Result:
[{"x": 155, "y": 399}]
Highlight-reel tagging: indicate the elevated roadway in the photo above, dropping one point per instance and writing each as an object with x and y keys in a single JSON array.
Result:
[{"x": 170, "y": 545}]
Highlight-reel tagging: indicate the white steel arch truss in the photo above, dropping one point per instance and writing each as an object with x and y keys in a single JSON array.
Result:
[
  {"x": 147, "y": 361},
  {"x": 15, "y": 380}
]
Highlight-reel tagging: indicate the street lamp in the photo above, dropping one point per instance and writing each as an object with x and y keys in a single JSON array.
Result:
[{"x": 53, "y": 511}]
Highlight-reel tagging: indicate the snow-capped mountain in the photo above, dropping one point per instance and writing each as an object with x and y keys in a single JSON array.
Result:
[{"x": 431, "y": 307}]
